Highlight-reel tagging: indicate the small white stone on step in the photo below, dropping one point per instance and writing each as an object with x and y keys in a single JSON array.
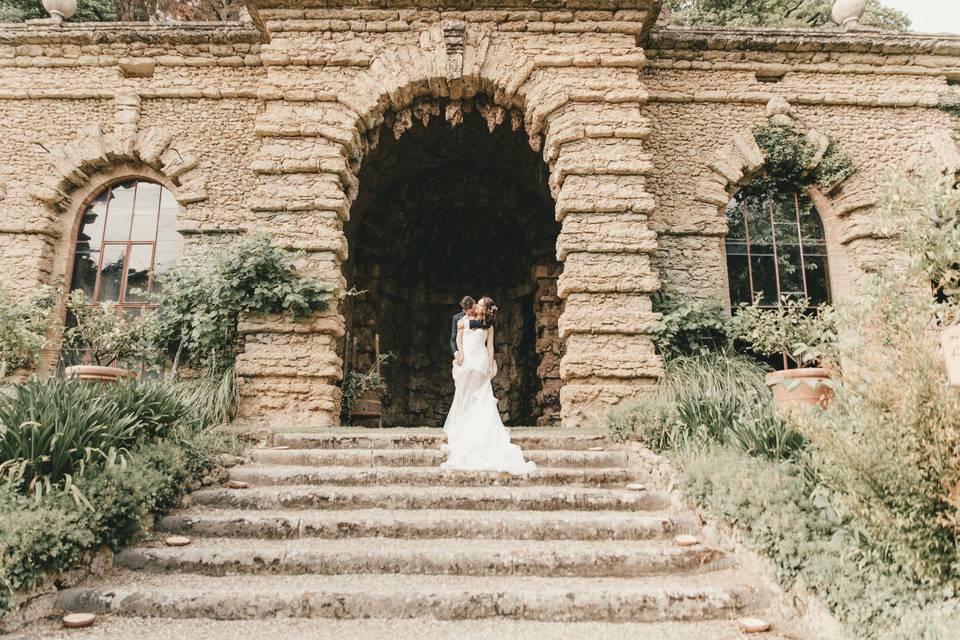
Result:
[
  {"x": 78, "y": 620},
  {"x": 237, "y": 484},
  {"x": 753, "y": 625},
  {"x": 636, "y": 486},
  {"x": 281, "y": 447},
  {"x": 595, "y": 449},
  {"x": 686, "y": 540},
  {"x": 177, "y": 541}
]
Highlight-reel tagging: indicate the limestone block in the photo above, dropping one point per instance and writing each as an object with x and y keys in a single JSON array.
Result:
[
  {"x": 605, "y": 233},
  {"x": 601, "y": 156},
  {"x": 603, "y": 193},
  {"x": 620, "y": 313},
  {"x": 328, "y": 322},
  {"x": 607, "y": 273},
  {"x": 610, "y": 356},
  {"x": 303, "y": 402},
  {"x": 310, "y": 230},
  {"x": 587, "y": 405},
  {"x": 290, "y": 355}
]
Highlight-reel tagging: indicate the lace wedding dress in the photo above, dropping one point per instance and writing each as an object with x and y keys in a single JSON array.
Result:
[{"x": 476, "y": 437}]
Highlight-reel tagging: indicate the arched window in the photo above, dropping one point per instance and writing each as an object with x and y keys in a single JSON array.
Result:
[
  {"x": 127, "y": 236},
  {"x": 776, "y": 247}
]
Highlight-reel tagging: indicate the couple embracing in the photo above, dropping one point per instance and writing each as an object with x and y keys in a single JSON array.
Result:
[{"x": 476, "y": 437}]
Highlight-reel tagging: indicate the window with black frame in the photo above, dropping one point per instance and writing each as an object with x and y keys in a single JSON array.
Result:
[
  {"x": 128, "y": 236},
  {"x": 776, "y": 247}
]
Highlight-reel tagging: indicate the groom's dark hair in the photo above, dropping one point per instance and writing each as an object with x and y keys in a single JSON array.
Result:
[{"x": 467, "y": 303}]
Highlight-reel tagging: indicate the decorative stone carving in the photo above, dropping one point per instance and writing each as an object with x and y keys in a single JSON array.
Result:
[
  {"x": 454, "y": 36},
  {"x": 847, "y": 13}
]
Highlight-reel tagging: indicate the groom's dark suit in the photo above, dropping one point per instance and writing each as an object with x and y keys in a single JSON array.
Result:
[{"x": 453, "y": 333}]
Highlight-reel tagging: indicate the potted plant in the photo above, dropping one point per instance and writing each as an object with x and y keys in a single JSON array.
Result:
[
  {"x": 804, "y": 336},
  {"x": 106, "y": 335},
  {"x": 362, "y": 392}
]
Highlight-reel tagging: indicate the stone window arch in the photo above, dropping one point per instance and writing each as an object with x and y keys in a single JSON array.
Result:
[
  {"x": 126, "y": 237},
  {"x": 776, "y": 246}
]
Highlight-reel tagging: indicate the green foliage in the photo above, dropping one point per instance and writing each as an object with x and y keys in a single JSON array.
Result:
[
  {"x": 950, "y": 103},
  {"x": 87, "y": 10},
  {"x": 705, "y": 400},
  {"x": 57, "y": 533},
  {"x": 690, "y": 326},
  {"x": 106, "y": 333},
  {"x": 357, "y": 383},
  {"x": 790, "y": 163},
  {"x": 808, "y": 337},
  {"x": 200, "y": 306},
  {"x": 52, "y": 431},
  {"x": 211, "y": 398},
  {"x": 776, "y": 13},
  {"x": 23, "y": 327}
]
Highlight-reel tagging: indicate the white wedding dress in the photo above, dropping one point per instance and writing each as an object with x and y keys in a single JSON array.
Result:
[{"x": 476, "y": 437}]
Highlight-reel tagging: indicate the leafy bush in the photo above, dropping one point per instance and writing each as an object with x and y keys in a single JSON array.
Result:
[
  {"x": 690, "y": 326},
  {"x": 200, "y": 306},
  {"x": 55, "y": 534},
  {"x": 211, "y": 398},
  {"x": 51, "y": 431},
  {"x": 23, "y": 327},
  {"x": 106, "y": 333},
  {"x": 792, "y": 162},
  {"x": 707, "y": 400},
  {"x": 808, "y": 338}
]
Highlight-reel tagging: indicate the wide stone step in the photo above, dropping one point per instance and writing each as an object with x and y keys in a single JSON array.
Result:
[
  {"x": 267, "y": 475},
  {"x": 218, "y": 556},
  {"x": 125, "y": 628},
  {"x": 530, "y": 498},
  {"x": 714, "y": 595},
  {"x": 368, "y": 523},
  {"x": 425, "y": 457},
  {"x": 527, "y": 439}
]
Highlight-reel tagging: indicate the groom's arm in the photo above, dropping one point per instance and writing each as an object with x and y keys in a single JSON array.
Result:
[{"x": 453, "y": 335}]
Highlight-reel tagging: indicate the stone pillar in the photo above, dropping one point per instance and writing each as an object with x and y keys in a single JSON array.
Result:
[
  {"x": 598, "y": 166},
  {"x": 290, "y": 368}
]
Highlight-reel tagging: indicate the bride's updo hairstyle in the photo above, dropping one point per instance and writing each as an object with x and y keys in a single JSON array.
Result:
[{"x": 489, "y": 310}]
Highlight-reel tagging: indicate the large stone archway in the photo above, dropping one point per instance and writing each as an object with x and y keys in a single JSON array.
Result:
[{"x": 580, "y": 97}]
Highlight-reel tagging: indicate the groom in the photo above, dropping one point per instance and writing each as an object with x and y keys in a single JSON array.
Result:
[{"x": 466, "y": 306}]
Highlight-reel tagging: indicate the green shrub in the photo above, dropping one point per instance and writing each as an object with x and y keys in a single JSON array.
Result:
[
  {"x": 690, "y": 326},
  {"x": 23, "y": 327},
  {"x": 38, "y": 537},
  {"x": 200, "y": 305},
  {"x": 709, "y": 399},
  {"x": 51, "y": 431}
]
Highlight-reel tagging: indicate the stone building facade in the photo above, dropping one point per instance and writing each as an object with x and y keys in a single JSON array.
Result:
[{"x": 568, "y": 157}]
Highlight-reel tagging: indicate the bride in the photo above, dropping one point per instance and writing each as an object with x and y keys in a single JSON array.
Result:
[{"x": 476, "y": 437}]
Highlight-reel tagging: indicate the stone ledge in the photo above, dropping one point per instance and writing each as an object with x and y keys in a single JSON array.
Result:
[
  {"x": 793, "y": 40},
  {"x": 85, "y": 33}
]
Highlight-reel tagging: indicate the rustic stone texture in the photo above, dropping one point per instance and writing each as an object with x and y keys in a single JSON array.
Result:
[{"x": 643, "y": 141}]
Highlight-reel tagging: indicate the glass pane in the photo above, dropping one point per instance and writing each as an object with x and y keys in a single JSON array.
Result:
[
  {"x": 791, "y": 274},
  {"x": 91, "y": 229},
  {"x": 736, "y": 248},
  {"x": 85, "y": 271},
  {"x": 739, "y": 279},
  {"x": 810, "y": 224},
  {"x": 759, "y": 220},
  {"x": 818, "y": 279},
  {"x": 120, "y": 211},
  {"x": 145, "y": 211},
  {"x": 167, "y": 253},
  {"x": 764, "y": 278},
  {"x": 138, "y": 273},
  {"x": 111, "y": 272}
]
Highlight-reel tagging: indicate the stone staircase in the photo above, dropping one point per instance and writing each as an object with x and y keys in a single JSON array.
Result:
[{"x": 362, "y": 528}]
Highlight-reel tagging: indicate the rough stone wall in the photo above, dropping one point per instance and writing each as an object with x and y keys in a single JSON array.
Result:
[{"x": 267, "y": 128}]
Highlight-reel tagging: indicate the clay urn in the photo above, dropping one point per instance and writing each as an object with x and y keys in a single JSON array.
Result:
[
  {"x": 847, "y": 13},
  {"x": 798, "y": 387},
  {"x": 90, "y": 373},
  {"x": 60, "y": 9}
]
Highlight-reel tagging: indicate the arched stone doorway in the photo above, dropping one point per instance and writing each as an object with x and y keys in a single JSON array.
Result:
[{"x": 447, "y": 207}]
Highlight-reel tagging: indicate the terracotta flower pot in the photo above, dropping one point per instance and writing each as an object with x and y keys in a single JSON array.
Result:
[
  {"x": 798, "y": 387},
  {"x": 90, "y": 373}
]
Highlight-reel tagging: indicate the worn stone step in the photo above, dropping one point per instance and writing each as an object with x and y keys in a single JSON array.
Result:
[
  {"x": 267, "y": 475},
  {"x": 530, "y": 498},
  {"x": 367, "y": 523},
  {"x": 219, "y": 556},
  {"x": 528, "y": 440},
  {"x": 124, "y": 628},
  {"x": 425, "y": 457},
  {"x": 720, "y": 594}
]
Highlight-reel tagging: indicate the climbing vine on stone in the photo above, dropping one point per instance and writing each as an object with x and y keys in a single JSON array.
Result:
[{"x": 792, "y": 162}]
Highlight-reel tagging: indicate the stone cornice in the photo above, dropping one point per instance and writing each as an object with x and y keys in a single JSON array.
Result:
[
  {"x": 804, "y": 40},
  {"x": 88, "y": 33},
  {"x": 459, "y": 5}
]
